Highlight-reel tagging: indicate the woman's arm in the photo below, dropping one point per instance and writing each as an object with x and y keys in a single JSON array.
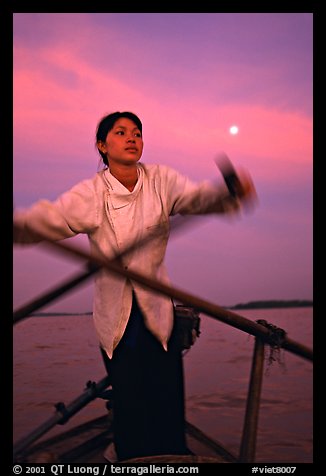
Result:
[
  {"x": 187, "y": 197},
  {"x": 75, "y": 211}
]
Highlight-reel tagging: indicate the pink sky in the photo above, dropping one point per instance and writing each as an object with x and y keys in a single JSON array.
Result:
[{"x": 189, "y": 77}]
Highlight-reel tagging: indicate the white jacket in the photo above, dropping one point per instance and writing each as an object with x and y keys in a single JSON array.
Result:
[{"x": 113, "y": 218}]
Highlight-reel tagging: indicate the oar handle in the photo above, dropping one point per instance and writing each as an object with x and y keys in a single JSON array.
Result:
[{"x": 229, "y": 173}]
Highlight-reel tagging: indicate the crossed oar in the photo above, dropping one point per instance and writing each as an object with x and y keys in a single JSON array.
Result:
[
  {"x": 91, "y": 268},
  {"x": 114, "y": 265}
]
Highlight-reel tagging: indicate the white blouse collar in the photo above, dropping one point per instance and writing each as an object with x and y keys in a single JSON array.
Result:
[{"x": 119, "y": 194}]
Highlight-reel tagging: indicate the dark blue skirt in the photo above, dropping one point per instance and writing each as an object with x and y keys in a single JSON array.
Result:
[{"x": 148, "y": 392}]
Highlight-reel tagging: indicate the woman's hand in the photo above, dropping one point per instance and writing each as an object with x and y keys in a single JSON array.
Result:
[{"x": 245, "y": 190}]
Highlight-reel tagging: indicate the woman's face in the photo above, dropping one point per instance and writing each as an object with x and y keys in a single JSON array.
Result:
[{"x": 124, "y": 143}]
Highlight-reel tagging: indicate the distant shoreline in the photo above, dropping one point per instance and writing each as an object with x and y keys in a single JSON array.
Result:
[
  {"x": 269, "y": 304},
  {"x": 272, "y": 304}
]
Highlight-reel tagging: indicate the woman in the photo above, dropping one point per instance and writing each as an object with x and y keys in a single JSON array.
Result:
[{"x": 121, "y": 205}]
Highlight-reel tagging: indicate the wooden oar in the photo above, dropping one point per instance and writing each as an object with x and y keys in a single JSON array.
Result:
[
  {"x": 27, "y": 309},
  {"x": 63, "y": 414},
  {"x": 201, "y": 305}
]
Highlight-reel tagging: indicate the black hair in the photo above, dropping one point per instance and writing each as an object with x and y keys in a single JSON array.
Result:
[{"x": 107, "y": 123}]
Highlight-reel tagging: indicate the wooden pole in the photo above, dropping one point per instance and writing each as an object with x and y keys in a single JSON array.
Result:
[
  {"x": 201, "y": 305},
  {"x": 249, "y": 434},
  {"x": 62, "y": 415},
  {"x": 49, "y": 296}
]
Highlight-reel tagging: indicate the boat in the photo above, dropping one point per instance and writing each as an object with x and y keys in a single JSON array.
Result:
[{"x": 93, "y": 441}]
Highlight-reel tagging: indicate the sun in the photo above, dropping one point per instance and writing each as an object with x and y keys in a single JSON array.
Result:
[{"x": 234, "y": 130}]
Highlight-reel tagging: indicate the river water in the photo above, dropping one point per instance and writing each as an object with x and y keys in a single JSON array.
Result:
[{"x": 55, "y": 356}]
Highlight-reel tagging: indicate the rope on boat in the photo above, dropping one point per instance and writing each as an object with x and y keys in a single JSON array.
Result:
[{"x": 277, "y": 336}]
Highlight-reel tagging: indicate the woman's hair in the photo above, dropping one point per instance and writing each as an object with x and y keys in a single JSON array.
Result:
[{"x": 107, "y": 123}]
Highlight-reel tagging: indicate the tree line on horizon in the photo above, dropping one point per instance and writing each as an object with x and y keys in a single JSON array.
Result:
[{"x": 273, "y": 303}]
